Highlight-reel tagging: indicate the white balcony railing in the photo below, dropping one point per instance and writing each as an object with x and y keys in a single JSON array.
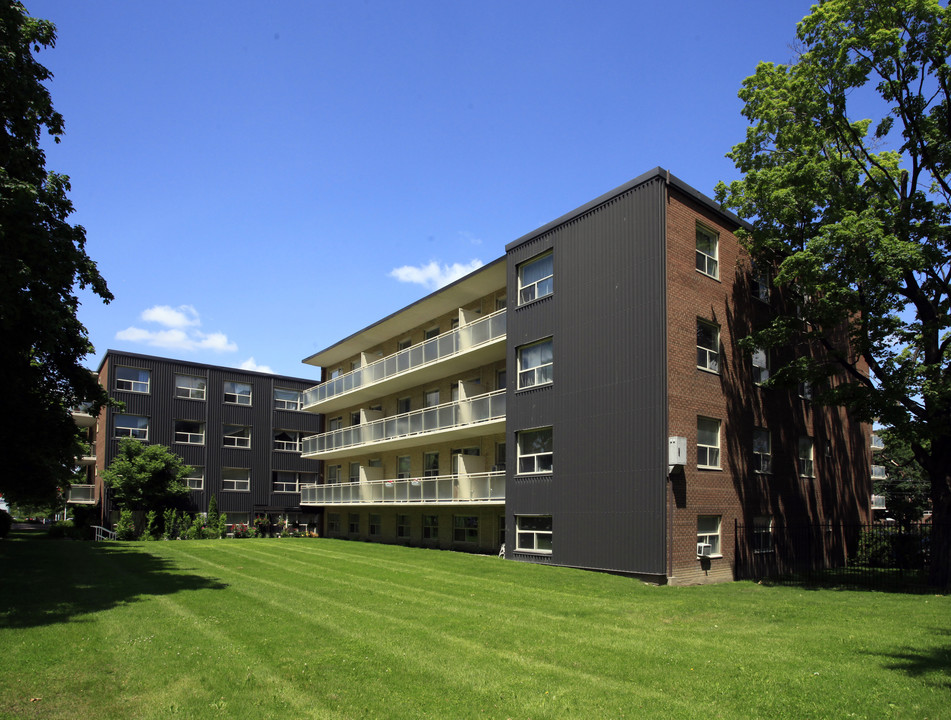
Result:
[
  {"x": 877, "y": 443},
  {"x": 448, "y": 416},
  {"x": 82, "y": 494},
  {"x": 878, "y": 502},
  {"x": 462, "y": 339},
  {"x": 486, "y": 487}
]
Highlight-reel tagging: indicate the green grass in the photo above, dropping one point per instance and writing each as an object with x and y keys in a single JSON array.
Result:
[{"x": 331, "y": 629}]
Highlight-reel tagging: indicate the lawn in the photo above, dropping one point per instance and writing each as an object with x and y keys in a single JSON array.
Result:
[{"x": 315, "y": 628}]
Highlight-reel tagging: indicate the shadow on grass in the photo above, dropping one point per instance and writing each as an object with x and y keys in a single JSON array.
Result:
[
  {"x": 918, "y": 662},
  {"x": 44, "y": 581},
  {"x": 909, "y": 582}
]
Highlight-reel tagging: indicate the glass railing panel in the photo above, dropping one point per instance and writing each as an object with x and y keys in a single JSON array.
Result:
[{"x": 480, "y": 487}]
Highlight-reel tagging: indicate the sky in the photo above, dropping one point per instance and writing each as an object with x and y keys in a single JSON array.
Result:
[{"x": 260, "y": 180}]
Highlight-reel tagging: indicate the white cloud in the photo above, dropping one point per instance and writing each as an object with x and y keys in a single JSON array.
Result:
[
  {"x": 182, "y": 316},
  {"x": 434, "y": 275},
  {"x": 181, "y": 331},
  {"x": 250, "y": 364}
]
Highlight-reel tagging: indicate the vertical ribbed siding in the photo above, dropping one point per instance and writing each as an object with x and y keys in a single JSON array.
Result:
[{"x": 607, "y": 404}]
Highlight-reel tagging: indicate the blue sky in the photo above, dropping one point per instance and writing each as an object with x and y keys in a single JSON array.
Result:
[{"x": 258, "y": 180}]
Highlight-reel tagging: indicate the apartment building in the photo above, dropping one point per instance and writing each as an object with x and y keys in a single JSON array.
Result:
[
  {"x": 239, "y": 431},
  {"x": 582, "y": 401}
]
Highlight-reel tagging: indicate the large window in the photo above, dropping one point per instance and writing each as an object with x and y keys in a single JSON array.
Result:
[
  {"x": 236, "y": 479},
  {"x": 430, "y": 464},
  {"x": 237, "y": 436},
  {"x": 402, "y": 526},
  {"x": 708, "y": 346},
  {"x": 760, "y": 366},
  {"x": 403, "y": 467},
  {"x": 237, "y": 393},
  {"x": 533, "y": 533},
  {"x": 708, "y": 443},
  {"x": 354, "y": 472},
  {"x": 762, "y": 451},
  {"x": 284, "y": 481},
  {"x": 431, "y": 398},
  {"x": 430, "y": 527},
  {"x": 133, "y": 426},
  {"x": 707, "y": 252},
  {"x": 535, "y": 454},
  {"x": 708, "y": 533},
  {"x": 287, "y": 440},
  {"x": 535, "y": 278},
  {"x": 376, "y": 525},
  {"x": 806, "y": 463},
  {"x": 191, "y": 387},
  {"x": 333, "y": 523},
  {"x": 132, "y": 379},
  {"x": 333, "y": 474},
  {"x": 535, "y": 364},
  {"x": 762, "y": 534},
  {"x": 285, "y": 399},
  {"x": 195, "y": 478},
  {"x": 465, "y": 528},
  {"x": 353, "y": 526},
  {"x": 189, "y": 432}
]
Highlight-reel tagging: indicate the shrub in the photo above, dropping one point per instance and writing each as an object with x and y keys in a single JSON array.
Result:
[
  {"x": 241, "y": 531},
  {"x": 125, "y": 528},
  {"x": 152, "y": 530}
]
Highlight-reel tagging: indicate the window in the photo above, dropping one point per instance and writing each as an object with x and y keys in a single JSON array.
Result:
[
  {"x": 760, "y": 366},
  {"x": 237, "y": 393},
  {"x": 333, "y": 474},
  {"x": 431, "y": 333},
  {"x": 354, "y": 418},
  {"x": 189, "y": 432},
  {"x": 195, "y": 480},
  {"x": 132, "y": 379},
  {"x": 334, "y": 424},
  {"x": 287, "y": 440},
  {"x": 402, "y": 526},
  {"x": 708, "y": 443},
  {"x": 403, "y": 405},
  {"x": 285, "y": 399},
  {"x": 354, "y": 524},
  {"x": 535, "y": 364},
  {"x": 404, "y": 344},
  {"x": 806, "y": 464},
  {"x": 133, "y": 426},
  {"x": 236, "y": 479},
  {"x": 284, "y": 482},
  {"x": 402, "y": 467},
  {"x": 535, "y": 451},
  {"x": 762, "y": 454},
  {"x": 190, "y": 387},
  {"x": 430, "y": 527},
  {"x": 333, "y": 523},
  {"x": 708, "y": 346},
  {"x": 707, "y": 246},
  {"x": 535, "y": 278},
  {"x": 465, "y": 528},
  {"x": 432, "y": 398},
  {"x": 354, "y": 472},
  {"x": 533, "y": 533},
  {"x": 376, "y": 524},
  {"x": 760, "y": 284},
  {"x": 430, "y": 464},
  {"x": 237, "y": 436},
  {"x": 501, "y": 302},
  {"x": 708, "y": 532},
  {"x": 501, "y": 380},
  {"x": 878, "y": 472},
  {"x": 499, "y": 457},
  {"x": 762, "y": 534},
  {"x": 805, "y": 390}
]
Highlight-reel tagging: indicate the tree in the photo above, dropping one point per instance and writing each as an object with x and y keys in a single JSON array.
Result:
[
  {"x": 42, "y": 261},
  {"x": 904, "y": 486},
  {"x": 146, "y": 477},
  {"x": 845, "y": 182}
]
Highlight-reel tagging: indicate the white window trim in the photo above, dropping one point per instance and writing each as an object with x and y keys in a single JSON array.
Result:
[
  {"x": 706, "y": 537},
  {"x": 535, "y": 375},
  {"x": 283, "y": 404},
  {"x": 295, "y": 485},
  {"x": 136, "y": 386},
  {"x": 711, "y": 356},
  {"x": 287, "y": 445},
  {"x": 131, "y": 432},
  {"x": 807, "y": 460},
  {"x": 709, "y": 448},
  {"x": 760, "y": 361},
  {"x": 535, "y": 457},
  {"x": 763, "y": 459},
  {"x": 198, "y": 478},
  {"x": 534, "y": 285},
  {"x": 761, "y": 530},
  {"x": 709, "y": 260},
  {"x": 237, "y": 441},
  {"x": 237, "y": 482},
  {"x": 238, "y": 398},
  {"x": 189, "y": 438},
  {"x": 190, "y": 393},
  {"x": 535, "y": 535}
]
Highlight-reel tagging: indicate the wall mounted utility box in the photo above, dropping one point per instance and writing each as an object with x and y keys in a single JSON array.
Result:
[{"x": 677, "y": 451}]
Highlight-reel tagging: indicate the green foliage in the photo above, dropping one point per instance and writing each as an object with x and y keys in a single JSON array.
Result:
[
  {"x": 146, "y": 477},
  {"x": 42, "y": 260},
  {"x": 125, "y": 528},
  {"x": 212, "y": 529},
  {"x": 222, "y": 525},
  {"x": 194, "y": 529},
  {"x": 851, "y": 215},
  {"x": 905, "y": 486},
  {"x": 153, "y": 528},
  {"x": 6, "y": 522}
]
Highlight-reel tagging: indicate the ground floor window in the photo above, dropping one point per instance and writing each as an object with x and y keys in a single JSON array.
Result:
[
  {"x": 501, "y": 530},
  {"x": 333, "y": 523},
  {"x": 430, "y": 527},
  {"x": 354, "y": 527},
  {"x": 465, "y": 528},
  {"x": 763, "y": 534},
  {"x": 533, "y": 533},
  {"x": 402, "y": 526},
  {"x": 376, "y": 523},
  {"x": 237, "y": 518},
  {"x": 708, "y": 533}
]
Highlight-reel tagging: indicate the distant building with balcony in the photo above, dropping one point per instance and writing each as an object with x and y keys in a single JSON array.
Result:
[
  {"x": 239, "y": 431},
  {"x": 582, "y": 401}
]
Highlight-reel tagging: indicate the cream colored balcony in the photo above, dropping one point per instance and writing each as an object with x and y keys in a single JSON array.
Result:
[
  {"x": 87, "y": 458},
  {"x": 82, "y": 495},
  {"x": 473, "y": 343},
  {"x": 82, "y": 416},
  {"x": 466, "y": 418},
  {"x": 488, "y": 488}
]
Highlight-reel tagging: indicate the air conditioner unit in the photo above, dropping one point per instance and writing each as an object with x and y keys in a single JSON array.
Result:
[{"x": 704, "y": 549}]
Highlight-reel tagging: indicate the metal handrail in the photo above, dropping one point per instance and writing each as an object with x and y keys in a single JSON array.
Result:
[
  {"x": 469, "y": 488},
  {"x": 103, "y": 533}
]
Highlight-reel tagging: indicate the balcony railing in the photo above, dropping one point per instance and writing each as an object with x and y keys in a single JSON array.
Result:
[
  {"x": 448, "y": 416},
  {"x": 467, "y": 337},
  {"x": 486, "y": 487},
  {"x": 82, "y": 494}
]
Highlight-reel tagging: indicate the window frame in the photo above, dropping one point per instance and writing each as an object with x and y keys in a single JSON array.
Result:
[
  {"x": 287, "y": 445},
  {"x": 235, "y": 392},
  {"x": 538, "y": 459},
  {"x": 285, "y": 404},
  {"x": 706, "y": 258},
  {"x": 760, "y": 365},
  {"x": 705, "y": 536},
  {"x": 763, "y": 534},
  {"x": 705, "y": 450},
  {"x": 353, "y": 523},
  {"x": 762, "y": 459},
  {"x": 430, "y": 527},
  {"x": 375, "y": 525},
  {"x": 281, "y": 485},
  {"x": 245, "y": 435},
  {"x": 333, "y": 523},
  {"x": 245, "y": 479},
  {"x": 465, "y": 529},
  {"x": 192, "y": 393},
  {"x": 134, "y": 385},
  {"x": 536, "y": 534},
  {"x": 428, "y": 471},
  {"x": 711, "y": 356},
  {"x": 189, "y": 437},
  {"x": 195, "y": 473},
  {"x": 132, "y": 430},
  {"x": 539, "y": 287},
  {"x": 806, "y": 456},
  {"x": 542, "y": 367}
]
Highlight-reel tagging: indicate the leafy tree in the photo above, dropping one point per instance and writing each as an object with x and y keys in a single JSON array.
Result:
[
  {"x": 845, "y": 181},
  {"x": 42, "y": 260},
  {"x": 146, "y": 477},
  {"x": 905, "y": 487}
]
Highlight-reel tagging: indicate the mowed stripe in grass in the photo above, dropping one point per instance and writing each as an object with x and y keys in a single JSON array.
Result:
[{"x": 324, "y": 628}]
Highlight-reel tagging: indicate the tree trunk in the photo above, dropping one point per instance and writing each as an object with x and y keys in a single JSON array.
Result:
[{"x": 940, "y": 575}]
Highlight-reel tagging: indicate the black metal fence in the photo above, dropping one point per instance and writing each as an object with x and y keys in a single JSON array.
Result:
[{"x": 874, "y": 556}]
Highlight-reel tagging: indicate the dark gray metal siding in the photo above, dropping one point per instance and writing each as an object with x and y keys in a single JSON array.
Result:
[{"x": 607, "y": 404}]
